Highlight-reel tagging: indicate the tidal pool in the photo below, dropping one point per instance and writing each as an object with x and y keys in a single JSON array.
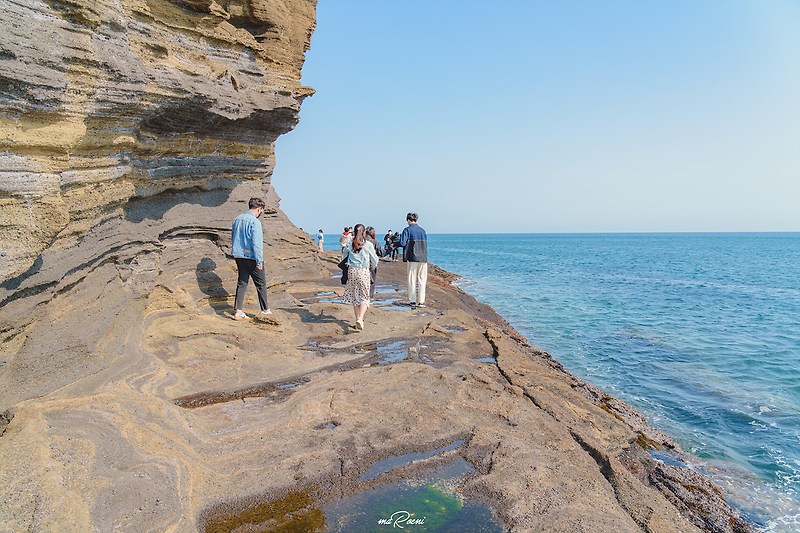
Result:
[{"x": 428, "y": 502}]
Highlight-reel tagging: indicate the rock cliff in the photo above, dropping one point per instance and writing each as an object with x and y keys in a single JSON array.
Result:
[
  {"x": 132, "y": 131},
  {"x": 114, "y": 111}
]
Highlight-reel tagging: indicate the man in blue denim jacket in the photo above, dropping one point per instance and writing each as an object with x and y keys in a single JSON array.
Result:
[
  {"x": 248, "y": 251},
  {"x": 414, "y": 242}
]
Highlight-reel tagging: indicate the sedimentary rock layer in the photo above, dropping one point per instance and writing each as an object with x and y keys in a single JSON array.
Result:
[{"x": 107, "y": 103}]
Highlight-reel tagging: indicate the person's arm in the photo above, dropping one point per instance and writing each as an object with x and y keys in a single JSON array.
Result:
[
  {"x": 403, "y": 239},
  {"x": 258, "y": 244}
]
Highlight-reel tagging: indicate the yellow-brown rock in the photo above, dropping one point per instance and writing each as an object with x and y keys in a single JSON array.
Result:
[{"x": 105, "y": 103}]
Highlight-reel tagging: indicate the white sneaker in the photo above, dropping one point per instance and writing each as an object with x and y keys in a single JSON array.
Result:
[{"x": 266, "y": 312}]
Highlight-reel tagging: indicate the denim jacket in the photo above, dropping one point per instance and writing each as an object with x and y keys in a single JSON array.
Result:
[
  {"x": 414, "y": 241},
  {"x": 248, "y": 237},
  {"x": 366, "y": 258}
]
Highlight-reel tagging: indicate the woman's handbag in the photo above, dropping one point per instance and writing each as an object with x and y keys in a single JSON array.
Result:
[{"x": 344, "y": 267}]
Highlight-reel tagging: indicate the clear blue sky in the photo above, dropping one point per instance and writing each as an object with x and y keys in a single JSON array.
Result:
[{"x": 548, "y": 116}]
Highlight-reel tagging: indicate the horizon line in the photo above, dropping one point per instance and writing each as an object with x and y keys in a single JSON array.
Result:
[{"x": 695, "y": 232}]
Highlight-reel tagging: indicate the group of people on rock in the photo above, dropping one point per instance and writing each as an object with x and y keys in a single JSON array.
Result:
[
  {"x": 387, "y": 252},
  {"x": 360, "y": 250}
]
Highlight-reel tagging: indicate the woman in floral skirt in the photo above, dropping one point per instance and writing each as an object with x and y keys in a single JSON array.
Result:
[{"x": 361, "y": 256}]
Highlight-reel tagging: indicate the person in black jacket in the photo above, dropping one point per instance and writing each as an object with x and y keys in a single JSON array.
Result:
[
  {"x": 387, "y": 245},
  {"x": 395, "y": 245}
]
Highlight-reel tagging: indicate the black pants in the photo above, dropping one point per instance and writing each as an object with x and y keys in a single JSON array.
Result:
[
  {"x": 248, "y": 269},
  {"x": 373, "y": 273}
]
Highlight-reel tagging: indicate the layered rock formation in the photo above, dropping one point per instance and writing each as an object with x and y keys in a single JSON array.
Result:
[
  {"x": 108, "y": 103},
  {"x": 132, "y": 131}
]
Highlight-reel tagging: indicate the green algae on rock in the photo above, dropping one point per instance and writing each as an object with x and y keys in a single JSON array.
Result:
[{"x": 294, "y": 512}]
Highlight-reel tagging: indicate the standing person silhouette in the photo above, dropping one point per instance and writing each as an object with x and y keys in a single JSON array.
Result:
[
  {"x": 387, "y": 245},
  {"x": 345, "y": 238},
  {"x": 320, "y": 240},
  {"x": 395, "y": 245},
  {"x": 248, "y": 251},
  {"x": 414, "y": 242}
]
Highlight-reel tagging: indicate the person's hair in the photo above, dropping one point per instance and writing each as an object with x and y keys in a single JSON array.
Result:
[
  {"x": 370, "y": 232},
  {"x": 320, "y": 230},
  {"x": 412, "y": 217},
  {"x": 255, "y": 203},
  {"x": 358, "y": 238}
]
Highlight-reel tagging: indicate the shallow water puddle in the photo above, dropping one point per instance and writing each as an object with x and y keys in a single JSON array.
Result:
[
  {"x": 428, "y": 502},
  {"x": 384, "y": 287},
  {"x": 386, "y": 302},
  {"x": 385, "y": 352},
  {"x": 419, "y": 351},
  {"x": 490, "y": 359},
  {"x": 394, "y": 307},
  {"x": 392, "y": 352},
  {"x": 397, "y": 461}
]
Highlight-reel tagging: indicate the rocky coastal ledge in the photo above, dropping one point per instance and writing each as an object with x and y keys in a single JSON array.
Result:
[
  {"x": 182, "y": 415},
  {"x": 131, "y": 133}
]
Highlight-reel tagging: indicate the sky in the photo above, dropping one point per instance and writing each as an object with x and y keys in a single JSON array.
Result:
[{"x": 526, "y": 116}]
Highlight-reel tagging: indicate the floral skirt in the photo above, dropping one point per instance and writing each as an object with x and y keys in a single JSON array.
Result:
[{"x": 357, "y": 289}]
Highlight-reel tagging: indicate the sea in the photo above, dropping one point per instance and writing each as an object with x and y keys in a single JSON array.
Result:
[{"x": 699, "y": 331}]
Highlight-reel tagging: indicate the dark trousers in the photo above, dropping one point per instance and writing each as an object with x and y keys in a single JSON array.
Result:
[
  {"x": 373, "y": 273},
  {"x": 248, "y": 269}
]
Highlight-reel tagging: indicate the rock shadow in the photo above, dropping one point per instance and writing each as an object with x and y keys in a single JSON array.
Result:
[
  {"x": 307, "y": 317},
  {"x": 155, "y": 207},
  {"x": 211, "y": 284},
  {"x": 14, "y": 283}
]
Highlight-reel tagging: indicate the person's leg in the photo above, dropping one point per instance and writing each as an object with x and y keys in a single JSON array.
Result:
[
  {"x": 373, "y": 273},
  {"x": 243, "y": 268},
  {"x": 260, "y": 280},
  {"x": 361, "y": 311},
  {"x": 422, "y": 281},
  {"x": 412, "y": 281}
]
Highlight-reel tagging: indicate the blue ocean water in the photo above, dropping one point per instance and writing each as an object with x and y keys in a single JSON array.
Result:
[{"x": 700, "y": 332}]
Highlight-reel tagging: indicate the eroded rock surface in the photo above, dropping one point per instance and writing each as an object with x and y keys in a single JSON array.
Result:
[{"x": 132, "y": 132}]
